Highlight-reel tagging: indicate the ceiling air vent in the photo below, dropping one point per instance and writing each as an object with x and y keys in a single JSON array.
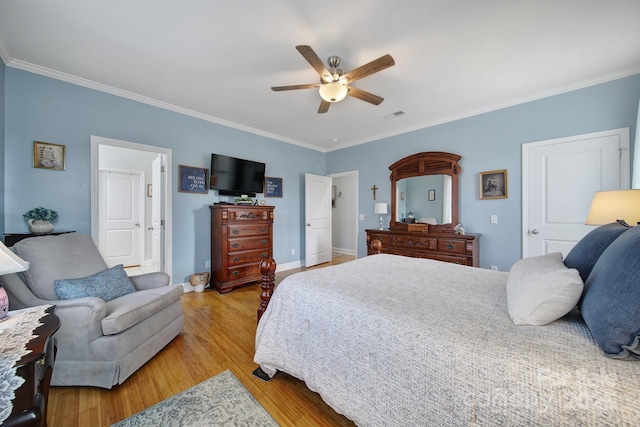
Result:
[{"x": 393, "y": 115}]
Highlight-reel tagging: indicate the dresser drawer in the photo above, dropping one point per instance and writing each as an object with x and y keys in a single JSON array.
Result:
[
  {"x": 414, "y": 242},
  {"x": 234, "y": 245},
  {"x": 452, "y": 246},
  {"x": 239, "y": 272},
  {"x": 235, "y": 230},
  {"x": 238, "y": 258},
  {"x": 237, "y": 213},
  {"x": 446, "y": 258}
]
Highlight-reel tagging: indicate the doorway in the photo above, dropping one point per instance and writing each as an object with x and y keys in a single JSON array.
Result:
[
  {"x": 155, "y": 226},
  {"x": 344, "y": 214}
]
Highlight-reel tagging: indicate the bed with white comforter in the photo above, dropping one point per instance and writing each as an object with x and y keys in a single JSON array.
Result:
[{"x": 394, "y": 341}]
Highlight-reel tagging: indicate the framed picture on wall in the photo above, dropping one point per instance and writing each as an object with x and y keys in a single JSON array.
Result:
[
  {"x": 193, "y": 179},
  {"x": 493, "y": 184},
  {"x": 48, "y": 156},
  {"x": 272, "y": 186}
]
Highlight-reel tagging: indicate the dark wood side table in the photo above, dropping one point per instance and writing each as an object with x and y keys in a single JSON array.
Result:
[
  {"x": 30, "y": 403},
  {"x": 11, "y": 239}
]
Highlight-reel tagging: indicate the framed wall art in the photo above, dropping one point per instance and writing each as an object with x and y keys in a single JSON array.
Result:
[
  {"x": 48, "y": 156},
  {"x": 493, "y": 184},
  {"x": 192, "y": 179}
]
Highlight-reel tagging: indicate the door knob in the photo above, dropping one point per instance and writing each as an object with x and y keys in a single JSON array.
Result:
[
  {"x": 309, "y": 225},
  {"x": 149, "y": 228},
  {"x": 137, "y": 224},
  {"x": 535, "y": 231}
]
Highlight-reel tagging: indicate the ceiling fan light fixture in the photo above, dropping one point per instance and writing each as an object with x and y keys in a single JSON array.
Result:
[{"x": 333, "y": 92}]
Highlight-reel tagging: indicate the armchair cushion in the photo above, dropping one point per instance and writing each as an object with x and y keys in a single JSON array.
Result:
[
  {"x": 107, "y": 285},
  {"x": 131, "y": 309},
  {"x": 50, "y": 257}
]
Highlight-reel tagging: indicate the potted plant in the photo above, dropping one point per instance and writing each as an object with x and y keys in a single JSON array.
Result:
[{"x": 39, "y": 219}]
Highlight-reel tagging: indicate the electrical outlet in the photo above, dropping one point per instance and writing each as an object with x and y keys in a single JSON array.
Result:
[
  {"x": 207, "y": 264},
  {"x": 494, "y": 267},
  {"x": 293, "y": 251},
  {"x": 494, "y": 219}
]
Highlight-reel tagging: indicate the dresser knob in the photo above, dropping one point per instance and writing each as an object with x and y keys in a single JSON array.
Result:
[
  {"x": 264, "y": 242},
  {"x": 263, "y": 255},
  {"x": 235, "y": 272},
  {"x": 235, "y": 231},
  {"x": 450, "y": 246},
  {"x": 235, "y": 259},
  {"x": 236, "y": 245},
  {"x": 263, "y": 230}
]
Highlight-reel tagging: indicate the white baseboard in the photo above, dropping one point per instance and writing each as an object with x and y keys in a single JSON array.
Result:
[
  {"x": 345, "y": 251},
  {"x": 288, "y": 266}
]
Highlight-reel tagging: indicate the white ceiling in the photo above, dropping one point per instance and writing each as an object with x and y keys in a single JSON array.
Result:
[{"x": 217, "y": 60}]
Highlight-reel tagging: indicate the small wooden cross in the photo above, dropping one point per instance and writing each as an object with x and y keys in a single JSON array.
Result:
[{"x": 374, "y": 188}]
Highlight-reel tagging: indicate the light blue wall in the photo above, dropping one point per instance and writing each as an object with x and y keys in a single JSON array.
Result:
[
  {"x": 44, "y": 109},
  {"x": 487, "y": 142},
  {"x": 2, "y": 69}
]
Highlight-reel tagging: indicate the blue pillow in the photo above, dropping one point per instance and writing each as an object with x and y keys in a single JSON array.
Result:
[
  {"x": 586, "y": 252},
  {"x": 611, "y": 300},
  {"x": 108, "y": 284}
]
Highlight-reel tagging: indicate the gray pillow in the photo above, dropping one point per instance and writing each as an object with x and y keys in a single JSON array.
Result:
[
  {"x": 611, "y": 302},
  {"x": 542, "y": 289}
]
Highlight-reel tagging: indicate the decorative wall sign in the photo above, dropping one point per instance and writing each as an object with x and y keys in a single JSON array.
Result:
[
  {"x": 272, "y": 187},
  {"x": 48, "y": 156},
  {"x": 193, "y": 179}
]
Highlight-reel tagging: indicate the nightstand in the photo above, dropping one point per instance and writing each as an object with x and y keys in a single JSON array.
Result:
[{"x": 30, "y": 403}]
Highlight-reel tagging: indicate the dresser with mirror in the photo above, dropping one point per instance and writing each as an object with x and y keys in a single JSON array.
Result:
[{"x": 424, "y": 211}]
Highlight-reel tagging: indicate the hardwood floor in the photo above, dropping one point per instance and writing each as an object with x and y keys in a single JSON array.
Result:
[{"x": 219, "y": 334}]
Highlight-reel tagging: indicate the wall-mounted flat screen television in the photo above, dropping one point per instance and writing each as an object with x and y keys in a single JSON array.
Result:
[{"x": 233, "y": 177}]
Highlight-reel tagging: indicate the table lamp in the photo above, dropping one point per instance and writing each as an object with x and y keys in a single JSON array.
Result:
[
  {"x": 380, "y": 209},
  {"x": 9, "y": 263},
  {"x": 622, "y": 206}
]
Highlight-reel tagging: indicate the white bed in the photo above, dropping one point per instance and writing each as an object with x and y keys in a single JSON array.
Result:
[{"x": 394, "y": 341}]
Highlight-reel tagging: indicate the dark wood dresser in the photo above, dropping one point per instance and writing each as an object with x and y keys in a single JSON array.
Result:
[
  {"x": 241, "y": 236},
  {"x": 444, "y": 246}
]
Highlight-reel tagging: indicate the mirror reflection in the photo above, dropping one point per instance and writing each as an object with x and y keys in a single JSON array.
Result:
[{"x": 425, "y": 199}]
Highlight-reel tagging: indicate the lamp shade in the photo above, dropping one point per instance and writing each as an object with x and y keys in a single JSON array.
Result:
[
  {"x": 333, "y": 92},
  {"x": 380, "y": 208},
  {"x": 610, "y": 206},
  {"x": 10, "y": 262}
]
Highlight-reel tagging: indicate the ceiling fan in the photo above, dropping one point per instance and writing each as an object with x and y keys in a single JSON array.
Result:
[{"x": 334, "y": 84}]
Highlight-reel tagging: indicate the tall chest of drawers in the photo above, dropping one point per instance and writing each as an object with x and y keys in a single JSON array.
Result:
[
  {"x": 448, "y": 247},
  {"x": 240, "y": 237}
]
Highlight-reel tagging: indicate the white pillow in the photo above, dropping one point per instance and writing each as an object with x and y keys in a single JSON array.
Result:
[{"x": 542, "y": 289}]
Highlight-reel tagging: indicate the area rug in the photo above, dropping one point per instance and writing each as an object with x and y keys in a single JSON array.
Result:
[{"x": 218, "y": 401}]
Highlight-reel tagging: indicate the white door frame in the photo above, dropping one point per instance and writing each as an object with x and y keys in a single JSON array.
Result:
[
  {"x": 96, "y": 141},
  {"x": 623, "y": 134}
]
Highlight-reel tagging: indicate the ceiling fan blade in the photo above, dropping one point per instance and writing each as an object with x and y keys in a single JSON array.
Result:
[
  {"x": 364, "y": 95},
  {"x": 324, "y": 107},
  {"x": 365, "y": 70},
  {"x": 313, "y": 59},
  {"x": 292, "y": 87}
]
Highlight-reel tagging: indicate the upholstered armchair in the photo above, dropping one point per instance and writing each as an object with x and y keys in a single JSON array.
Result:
[{"x": 102, "y": 339}]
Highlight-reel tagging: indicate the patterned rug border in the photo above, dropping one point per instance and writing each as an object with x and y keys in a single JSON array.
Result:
[{"x": 221, "y": 400}]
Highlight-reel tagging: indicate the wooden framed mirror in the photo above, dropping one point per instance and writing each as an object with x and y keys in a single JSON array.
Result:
[{"x": 425, "y": 185}]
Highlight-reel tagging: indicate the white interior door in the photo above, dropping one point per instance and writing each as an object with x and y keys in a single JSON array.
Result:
[
  {"x": 157, "y": 225},
  {"x": 560, "y": 177},
  {"x": 120, "y": 217},
  {"x": 317, "y": 213}
]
